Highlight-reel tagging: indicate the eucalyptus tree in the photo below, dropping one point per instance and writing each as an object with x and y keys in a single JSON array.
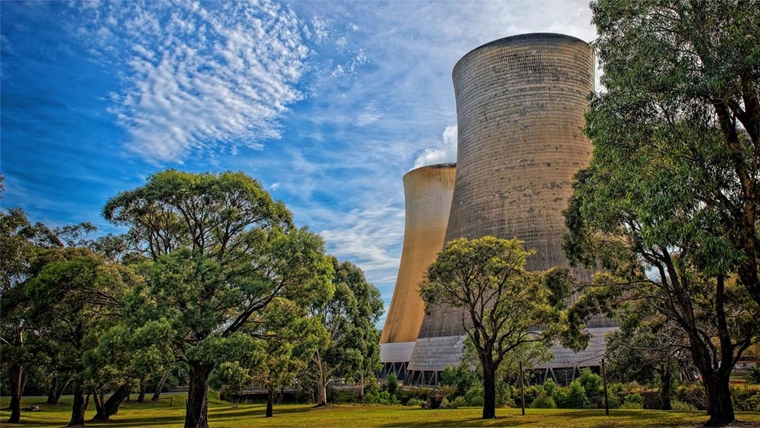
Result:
[
  {"x": 344, "y": 336},
  {"x": 220, "y": 251},
  {"x": 74, "y": 297},
  {"x": 504, "y": 308},
  {"x": 673, "y": 183}
]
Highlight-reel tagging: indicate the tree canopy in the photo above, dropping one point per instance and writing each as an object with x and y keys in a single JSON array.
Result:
[
  {"x": 221, "y": 250},
  {"x": 504, "y": 307},
  {"x": 669, "y": 203}
]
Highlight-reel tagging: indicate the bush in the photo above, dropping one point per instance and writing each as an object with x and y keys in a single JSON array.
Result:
[
  {"x": 391, "y": 384},
  {"x": 613, "y": 401},
  {"x": 477, "y": 401},
  {"x": 560, "y": 397},
  {"x": 577, "y": 398},
  {"x": 754, "y": 375},
  {"x": 592, "y": 384},
  {"x": 504, "y": 395},
  {"x": 748, "y": 401},
  {"x": 458, "y": 402},
  {"x": 693, "y": 394},
  {"x": 543, "y": 401},
  {"x": 415, "y": 402},
  {"x": 681, "y": 406},
  {"x": 633, "y": 401},
  {"x": 549, "y": 387}
]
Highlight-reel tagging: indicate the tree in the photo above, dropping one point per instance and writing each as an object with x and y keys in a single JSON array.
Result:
[
  {"x": 504, "y": 307},
  {"x": 648, "y": 348},
  {"x": 673, "y": 180},
  {"x": 74, "y": 297},
  {"x": 683, "y": 82},
  {"x": 345, "y": 338},
  {"x": 221, "y": 250}
]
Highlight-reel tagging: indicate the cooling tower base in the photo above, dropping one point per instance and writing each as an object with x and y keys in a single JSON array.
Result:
[{"x": 433, "y": 354}]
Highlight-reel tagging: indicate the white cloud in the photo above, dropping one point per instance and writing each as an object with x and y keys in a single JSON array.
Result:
[
  {"x": 444, "y": 153},
  {"x": 203, "y": 77}
]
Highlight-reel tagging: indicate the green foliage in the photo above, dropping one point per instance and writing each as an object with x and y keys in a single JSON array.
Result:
[
  {"x": 460, "y": 377},
  {"x": 679, "y": 406},
  {"x": 416, "y": 402},
  {"x": 543, "y": 401},
  {"x": 592, "y": 384},
  {"x": 345, "y": 342},
  {"x": 478, "y": 401},
  {"x": 669, "y": 205},
  {"x": 391, "y": 384},
  {"x": 550, "y": 386},
  {"x": 506, "y": 308},
  {"x": 458, "y": 402},
  {"x": 576, "y": 398},
  {"x": 633, "y": 401},
  {"x": 753, "y": 376}
]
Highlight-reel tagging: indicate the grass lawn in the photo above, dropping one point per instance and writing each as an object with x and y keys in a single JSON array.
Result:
[{"x": 222, "y": 414}]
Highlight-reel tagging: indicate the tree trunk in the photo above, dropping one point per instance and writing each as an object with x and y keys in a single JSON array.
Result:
[
  {"x": 361, "y": 384},
  {"x": 719, "y": 405},
  {"x": 97, "y": 399},
  {"x": 196, "y": 412},
  {"x": 53, "y": 392},
  {"x": 666, "y": 375},
  {"x": 16, "y": 380},
  {"x": 160, "y": 386},
  {"x": 270, "y": 400},
  {"x": 489, "y": 391},
  {"x": 282, "y": 395},
  {"x": 111, "y": 406},
  {"x": 143, "y": 387},
  {"x": 79, "y": 407},
  {"x": 321, "y": 383}
]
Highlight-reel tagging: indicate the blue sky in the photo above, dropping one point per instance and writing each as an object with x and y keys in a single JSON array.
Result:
[{"x": 327, "y": 103}]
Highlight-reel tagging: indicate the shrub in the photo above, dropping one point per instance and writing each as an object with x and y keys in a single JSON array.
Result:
[
  {"x": 754, "y": 375},
  {"x": 477, "y": 401},
  {"x": 391, "y": 384},
  {"x": 577, "y": 398},
  {"x": 384, "y": 398},
  {"x": 549, "y": 387},
  {"x": 543, "y": 401},
  {"x": 458, "y": 402},
  {"x": 504, "y": 395},
  {"x": 560, "y": 397},
  {"x": 633, "y": 401},
  {"x": 370, "y": 398},
  {"x": 693, "y": 394},
  {"x": 613, "y": 401},
  {"x": 681, "y": 406},
  {"x": 592, "y": 384},
  {"x": 415, "y": 402}
]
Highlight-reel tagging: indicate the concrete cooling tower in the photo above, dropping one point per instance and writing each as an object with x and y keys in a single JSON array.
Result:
[
  {"x": 520, "y": 110},
  {"x": 427, "y": 192}
]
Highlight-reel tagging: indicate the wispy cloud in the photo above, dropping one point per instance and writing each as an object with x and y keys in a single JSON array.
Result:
[{"x": 200, "y": 77}]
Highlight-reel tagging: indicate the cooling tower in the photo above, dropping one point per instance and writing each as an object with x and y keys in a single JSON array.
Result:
[
  {"x": 520, "y": 110},
  {"x": 427, "y": 192}
]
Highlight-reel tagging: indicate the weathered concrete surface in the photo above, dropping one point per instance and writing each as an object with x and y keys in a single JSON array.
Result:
[
  {"x": 520, "y": 110},
  {"x": 427, "y": 191}
]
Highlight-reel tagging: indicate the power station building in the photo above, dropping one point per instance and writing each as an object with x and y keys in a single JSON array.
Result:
[{"x": 520, "y": 103}]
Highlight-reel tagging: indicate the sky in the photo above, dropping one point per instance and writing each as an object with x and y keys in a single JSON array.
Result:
[{"x": 327, "y": 103}]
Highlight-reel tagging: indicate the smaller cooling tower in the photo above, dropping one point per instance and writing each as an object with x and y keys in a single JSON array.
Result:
[{"x": 427, "y": 191}]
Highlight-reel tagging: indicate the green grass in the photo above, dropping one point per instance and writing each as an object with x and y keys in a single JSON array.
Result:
[{"x": 223, "y": 414}]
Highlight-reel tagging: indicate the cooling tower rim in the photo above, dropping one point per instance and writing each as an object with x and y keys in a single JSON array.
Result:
[
  {"x": 434, "y": 166},
  {"x": 519, "y": 37}
]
